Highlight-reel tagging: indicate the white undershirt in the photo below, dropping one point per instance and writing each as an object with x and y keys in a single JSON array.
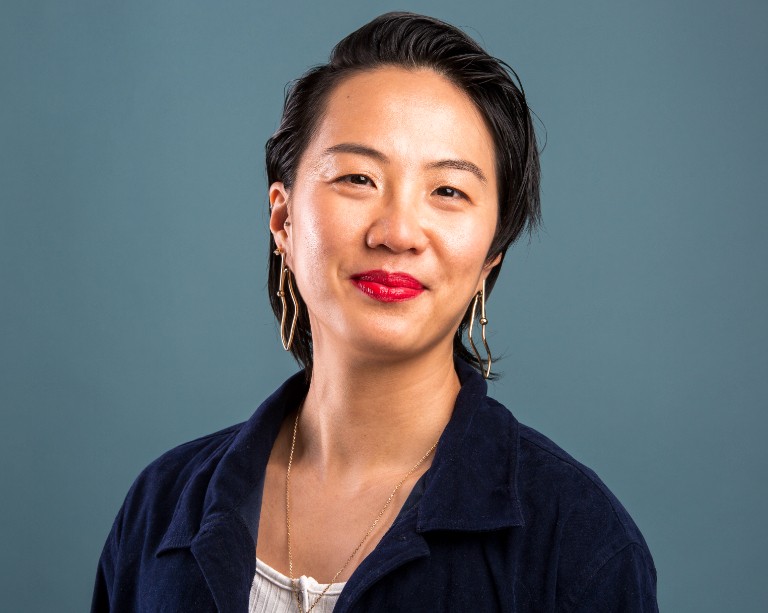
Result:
[{"x": 271, "y": 592}]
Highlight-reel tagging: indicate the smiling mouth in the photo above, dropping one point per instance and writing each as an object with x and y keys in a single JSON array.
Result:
[{"x": 388, "y": 286}]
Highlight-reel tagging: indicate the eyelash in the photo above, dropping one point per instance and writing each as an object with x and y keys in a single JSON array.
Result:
[
  {"x": 457, "y": 193},
  {"x": 348, "y": 179}
]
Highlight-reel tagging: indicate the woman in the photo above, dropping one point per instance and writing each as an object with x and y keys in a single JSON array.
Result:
[{"x": 382, "y": 478}]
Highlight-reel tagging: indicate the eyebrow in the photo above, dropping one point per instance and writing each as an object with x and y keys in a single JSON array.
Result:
[
  {"x": 461, "y": 165},
  {"x": 359, "y": 149}
]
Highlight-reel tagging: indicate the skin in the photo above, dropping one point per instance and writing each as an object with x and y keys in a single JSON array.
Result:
[{"x": 400, "y": 176}]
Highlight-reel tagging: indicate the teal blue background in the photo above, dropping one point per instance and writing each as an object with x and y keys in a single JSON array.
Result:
[{"x": 133, "y": 312}]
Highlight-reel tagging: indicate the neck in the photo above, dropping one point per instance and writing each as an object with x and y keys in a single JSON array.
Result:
[{"x": 365, "y": 417}]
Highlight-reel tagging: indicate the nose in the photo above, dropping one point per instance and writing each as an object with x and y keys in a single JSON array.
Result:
[{"x": 398, "y": 224}]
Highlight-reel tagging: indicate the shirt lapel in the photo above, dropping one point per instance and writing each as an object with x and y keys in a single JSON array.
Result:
[
  {"x": 217, "y": 516},
  {"x": 225, "y": 553},
  {"x": 472, "y": 484}
]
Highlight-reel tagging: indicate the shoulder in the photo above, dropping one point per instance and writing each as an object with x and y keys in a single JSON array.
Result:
[
  {"x": 549, "y": 476},
  {"x": 546, "y": 476},
  {"x": 213, "y": 473},
  {"x": 191, "y": 453},
  {"x": 575, "y": 530},
  {"x": 554, "y": 532},
  {"x": 178, "y": 479},
  {"x": 179, "y": 463},
  {"x": 183, "y": 470},
  {"x": 571, "y": 516}
]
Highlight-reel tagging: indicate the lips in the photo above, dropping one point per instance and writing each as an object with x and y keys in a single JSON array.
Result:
[{"x": 388, "y": 286}]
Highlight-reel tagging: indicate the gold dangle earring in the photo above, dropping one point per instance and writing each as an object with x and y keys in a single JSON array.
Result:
[
  {"x": 483, "y": 322},
  {"x": 285, "y": 273}
]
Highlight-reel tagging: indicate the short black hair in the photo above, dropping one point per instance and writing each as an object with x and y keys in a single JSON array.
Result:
[{"x": 414, "y": 41}]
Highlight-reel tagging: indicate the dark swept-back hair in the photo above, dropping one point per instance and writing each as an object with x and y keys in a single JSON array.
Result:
[{"x": 415, "y": 41}]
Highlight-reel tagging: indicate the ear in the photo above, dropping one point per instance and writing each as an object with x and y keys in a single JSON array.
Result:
[
  {"x": 279, "y": 224},
  {"x": 490, "y": 266}
]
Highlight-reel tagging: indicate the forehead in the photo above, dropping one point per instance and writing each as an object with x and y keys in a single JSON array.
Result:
[{"x": 412, "y": 114}]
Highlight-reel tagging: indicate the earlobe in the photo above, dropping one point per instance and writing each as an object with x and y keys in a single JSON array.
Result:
[
  {"x": 278, "y": 217},
  {"x": 487, "y": 270},
  {"x": 491, "y": 265}
]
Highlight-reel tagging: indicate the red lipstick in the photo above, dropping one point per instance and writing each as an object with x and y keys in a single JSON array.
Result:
[{"x": 388, "y": 286}]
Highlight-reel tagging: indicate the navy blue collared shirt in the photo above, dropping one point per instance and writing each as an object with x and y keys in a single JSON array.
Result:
[{"x": 505, "y": 521}]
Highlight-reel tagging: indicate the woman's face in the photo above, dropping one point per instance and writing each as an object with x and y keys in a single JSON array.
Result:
[{"x": 389, "y": 221}]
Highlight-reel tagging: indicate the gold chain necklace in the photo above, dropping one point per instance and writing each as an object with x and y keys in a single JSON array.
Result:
[{"x": 359, "y": 545}]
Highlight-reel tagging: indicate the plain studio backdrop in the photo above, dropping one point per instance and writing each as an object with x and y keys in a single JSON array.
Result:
[{"x": 133, "y": 245}]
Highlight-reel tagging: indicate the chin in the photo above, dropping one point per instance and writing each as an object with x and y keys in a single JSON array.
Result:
[{"x": 392, "y": 339}]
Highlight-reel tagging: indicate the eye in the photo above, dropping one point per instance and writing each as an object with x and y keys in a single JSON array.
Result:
[
  {"x": 450, "y": 192},
  {"x": 356, "y": 180}
]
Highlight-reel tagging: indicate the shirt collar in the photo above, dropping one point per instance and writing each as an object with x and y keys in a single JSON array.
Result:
[
  {"x": 471, "y": 484},
  {"x": 228, "y": 485}
]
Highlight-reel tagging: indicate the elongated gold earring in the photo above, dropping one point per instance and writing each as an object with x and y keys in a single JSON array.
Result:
[
  {"x": 285, "y": 273},
  {"x": 480, "y": 296}
]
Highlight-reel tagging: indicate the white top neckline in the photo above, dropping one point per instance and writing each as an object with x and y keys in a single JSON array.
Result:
[{"x": 308, "y": 583}]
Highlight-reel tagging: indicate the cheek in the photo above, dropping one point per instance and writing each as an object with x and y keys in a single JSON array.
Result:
[
  {"x": 320, "y": 236},
  {"x": 467, "y": 244}
]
